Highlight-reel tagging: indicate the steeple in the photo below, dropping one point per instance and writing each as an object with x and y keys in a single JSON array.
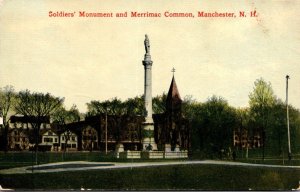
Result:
[
  {"x": 173, "y": 93},
  {"x": 173, "y": 103}
]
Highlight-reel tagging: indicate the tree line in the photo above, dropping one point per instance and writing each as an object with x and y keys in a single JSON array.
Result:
[{"x": 212, "y": 122}]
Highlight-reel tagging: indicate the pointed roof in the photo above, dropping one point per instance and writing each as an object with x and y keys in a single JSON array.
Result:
[{"x": 173, "y": 91}]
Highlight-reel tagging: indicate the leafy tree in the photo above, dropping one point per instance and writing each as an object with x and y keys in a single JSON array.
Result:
[
  {"x": 261, "y": 101},
  {"x": 7, "y": 99},
  {"x": 37, "y": 106},
  {"x": 242, "y": 120},
  {"x": 190, "y": 107},
  {"x": 62, "y": 116},
  {"x": 112, "y": 107},
  {"x": 220, "y": 120},
  {"x": 276, "y": 131},
  {"x": 159, "y": 103},
  {"x": 294, "y": 116},
  {"x": 134, "y": 106},
  {"x": 212, "y": 125}
]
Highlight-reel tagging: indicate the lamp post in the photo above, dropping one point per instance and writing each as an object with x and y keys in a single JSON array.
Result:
[{"x": 287, "y": 119}]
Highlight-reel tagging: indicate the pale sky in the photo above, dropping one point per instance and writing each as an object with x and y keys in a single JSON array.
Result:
[{"x": 84, "y": 59}]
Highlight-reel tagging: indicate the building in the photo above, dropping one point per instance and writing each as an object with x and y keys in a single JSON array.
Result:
[
  {"x": 20, "y": 132},
  {"x": 68, "y": 141},
  {"x": 49, "y": 141},
  {"x": 18, "y": 139},
  {"x": 171, "y": 128},
  {"x": 242, "y": 138}
]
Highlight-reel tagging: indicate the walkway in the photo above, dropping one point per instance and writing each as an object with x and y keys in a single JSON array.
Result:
[{"x": 84, "y": 165}]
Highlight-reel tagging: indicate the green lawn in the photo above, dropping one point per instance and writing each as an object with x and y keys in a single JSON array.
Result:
[{"x": 200, "y": 177}]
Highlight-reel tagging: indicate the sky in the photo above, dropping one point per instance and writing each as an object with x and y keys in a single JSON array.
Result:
[{"x": 84, "y": 59}]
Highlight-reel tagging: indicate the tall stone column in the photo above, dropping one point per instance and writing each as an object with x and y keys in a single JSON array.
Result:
[{"x": 148, "y": 126}]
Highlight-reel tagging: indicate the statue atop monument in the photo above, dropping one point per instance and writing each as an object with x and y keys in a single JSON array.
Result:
[{"x": 147, "y": 45}]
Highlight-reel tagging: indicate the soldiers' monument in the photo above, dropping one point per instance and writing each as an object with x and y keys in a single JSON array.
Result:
[
  {"x": 149, "y": 149},
  {"x": 148, "y": 126}
]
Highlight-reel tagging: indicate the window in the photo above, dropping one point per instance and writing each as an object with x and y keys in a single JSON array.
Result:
[
  {"x": 62, "y": 138},
  {"x": 73, "y": 138},
  {"x": 48, "y": 140},
  {"x": 55, "y": 140}
]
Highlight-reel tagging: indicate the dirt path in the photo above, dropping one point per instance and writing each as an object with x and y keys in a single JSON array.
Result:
[{"x": 84, "y": 165}]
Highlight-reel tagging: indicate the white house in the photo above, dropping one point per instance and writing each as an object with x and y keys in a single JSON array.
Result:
[
  {"x": 68, "y": 139},
  {"x": 50, "y": 139}
]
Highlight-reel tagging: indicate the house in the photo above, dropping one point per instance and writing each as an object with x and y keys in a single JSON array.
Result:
[
  {"x": 49, "y": 140},
  {"x": 89, "y": 139},
  {"x": 18, "y": 139},
  {"x": 21, "y": 133},
  {"x": 68, "y": 141},
  {"x": 243, "y": 138}
]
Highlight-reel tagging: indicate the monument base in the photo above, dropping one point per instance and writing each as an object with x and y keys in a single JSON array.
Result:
[
  {"x": 176, "y": 155},
  {"x": 152, "y": 155},
  {"x": 129, "y": 155},
  {"x": 148, "y": 137}
]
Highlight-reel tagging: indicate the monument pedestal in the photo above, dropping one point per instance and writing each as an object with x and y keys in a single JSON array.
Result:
[
  {"x": 152, "y": 154},
  {"x": 148, "y": 137}
]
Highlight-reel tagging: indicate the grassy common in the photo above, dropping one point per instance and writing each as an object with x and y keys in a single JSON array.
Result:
[{"x": 199, "y": 177}]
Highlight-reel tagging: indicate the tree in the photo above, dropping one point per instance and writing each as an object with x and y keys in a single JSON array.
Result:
[
  {"x": 219, "y": 119},
  {"x": 242, "y": 119},
  {"x": 134, "y": 106},
  {"x": 189, "y": 107},
  {"x": 112, "y": 107},
  {"x": 37, "y": 106},
  {"x": 261, "y": 101},
  {"x": 61, "y": 117},
  {"x": 212, "y": 124},
  {"x": 295, "y": 129},
  {"x": 7, "y": 99},
  {"x": 159, "y": 103}
]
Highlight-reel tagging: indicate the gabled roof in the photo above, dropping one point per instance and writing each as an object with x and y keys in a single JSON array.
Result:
[
  {"x": 29, "y": 119},
  {"x": 44, "y": 131},
  {"x": 173, "y": 93}
]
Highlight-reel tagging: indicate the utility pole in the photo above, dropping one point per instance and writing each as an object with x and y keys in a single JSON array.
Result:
[
  {"x": 106, "y": 133},
  {"x": 287, "y": 118}
]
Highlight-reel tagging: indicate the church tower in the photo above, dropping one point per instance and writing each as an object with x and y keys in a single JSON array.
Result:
[
  {"x": 173, "y": 102},
  {"x": 173, "y": 115}
]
